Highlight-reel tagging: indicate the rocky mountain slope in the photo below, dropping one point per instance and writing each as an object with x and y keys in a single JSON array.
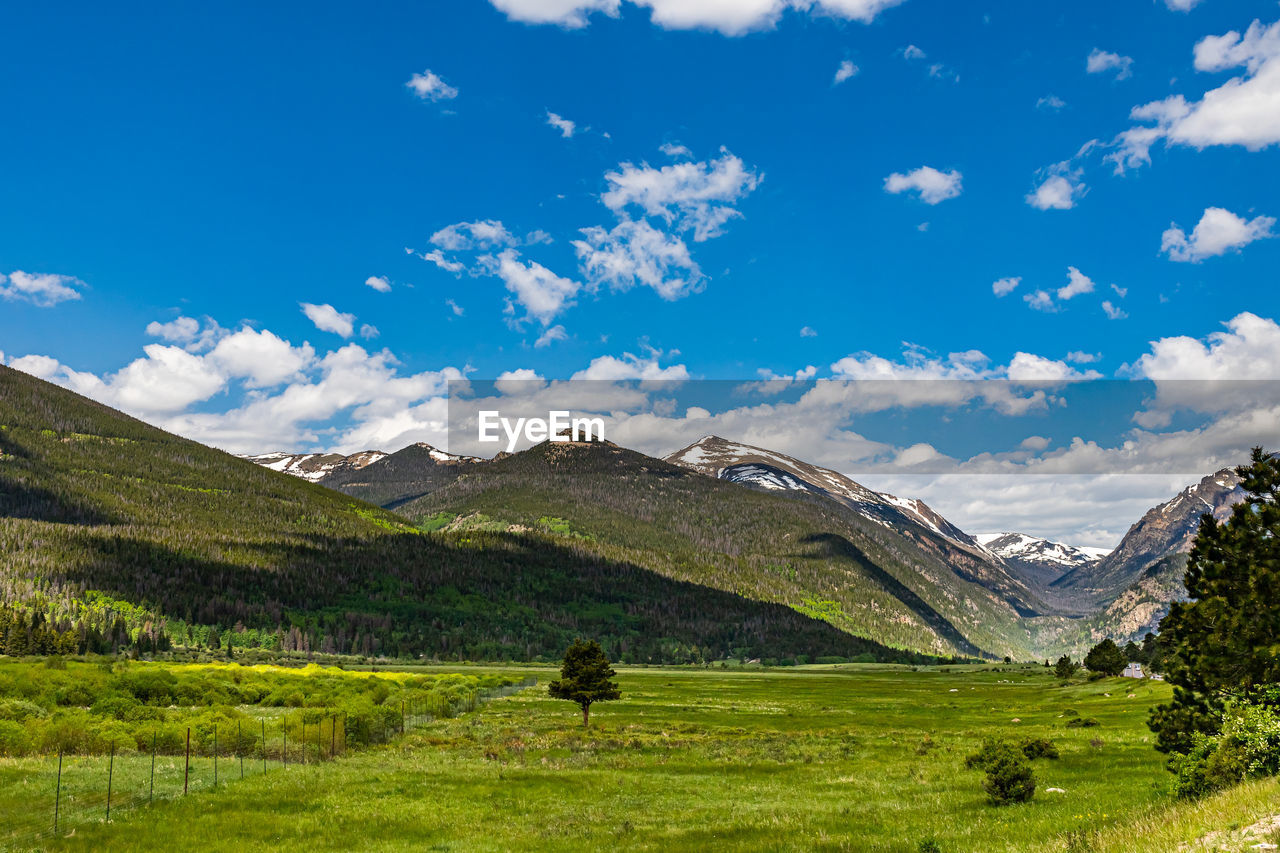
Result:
[
  {"x": 394, "y": 479},
  {"x": 1042, "y": 560},
  {"x": 314, "y": 467}
]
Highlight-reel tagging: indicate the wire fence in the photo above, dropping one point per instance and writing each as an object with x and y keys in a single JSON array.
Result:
[{"x": 54, "y": 795}]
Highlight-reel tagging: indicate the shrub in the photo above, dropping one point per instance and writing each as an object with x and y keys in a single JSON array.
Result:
[
  {"x": 1034, "y": 748},
  {"x": 992, "y": 750},
  {"x": 928, "y": 845},
  {"x": 14, "y": 739},
  {"x": 1209, "y": 766},
  {"x": 1009, "y": 780},
  {"x": 1082, "y": 723}
]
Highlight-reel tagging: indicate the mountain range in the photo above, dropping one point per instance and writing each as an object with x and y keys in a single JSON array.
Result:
[
  {"x": 109, "y": 525},
  {"x": 1067, "y": 596}
]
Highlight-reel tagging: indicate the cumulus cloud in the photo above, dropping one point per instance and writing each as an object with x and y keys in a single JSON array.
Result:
[
  {"x": 42, "y": 289},
  {"x": 1101, "y": 61},
  {"x": 1219, "y": 231},
  {"x": 1077, "y": 283},
  {"x": 1248, "y": 349},
  {"x": 846, "y": 70},
  {"x": 631, "y": 367},
  {"x": 542, "y": 293},
  {"x": 566, "y": 127},
  {"x": 1058, "y": 191},
  {"x": 1005, "y": 286},
  {"x": 696, "y": 196},
  {"x": 1050, "y": 103},
  {"x": 429, "y": 86},
  {"x": 1040, "y": 300},
  {"x": 465, "y": 236},
  {"x": 454, "y": 307},
  {"x": 932, "y": 185},
  {"x": 326, "y": 318},
  {"x": 729, "y": 18},
  {"x": 1112, "y": 312},
  {"x": 1182, "y": 5},
  {"x": 378, "y": 283},
  {"x": 912, "y": 52},
  {"x": 675, "y": 151},
  {"x": 808, "y": 332},
  {"x": 180, "y": 330},
  {"x": 634, "y": 252},
  {"x": 550, "y": 336},
  {"x": 1244, "y": 111}
]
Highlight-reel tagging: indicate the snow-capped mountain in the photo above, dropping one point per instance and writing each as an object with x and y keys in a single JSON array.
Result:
[
  {"x": 1167, "y": 529},
  {"x": 1039, "y": 559},
  {"x": 742, "y": 463},
  {"x": 314, "y": 466}
]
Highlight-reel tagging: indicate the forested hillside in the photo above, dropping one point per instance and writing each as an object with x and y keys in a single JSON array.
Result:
[
  {"x": 123, "y": 535},
  {"x": 795, "y": 548}
]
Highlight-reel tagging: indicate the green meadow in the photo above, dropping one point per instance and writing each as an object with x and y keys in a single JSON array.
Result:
[{"x": 825, "y": 758}]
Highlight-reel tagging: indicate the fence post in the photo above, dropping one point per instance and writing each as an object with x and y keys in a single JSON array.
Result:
[
  {"x": 264, "y": 746},
  {"x": 57, "y": 796},
  {"x": 151, "y": 792},
  {"x": 240, "y": 748},
  {"x": 111, "y": 770},
  {"x": 186, "y": 772},
  {"x": 215, "y": 755}
]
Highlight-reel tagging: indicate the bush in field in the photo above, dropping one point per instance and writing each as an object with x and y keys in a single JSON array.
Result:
[
  {"x": 1034, "y": 748},
  {"x": 1082, "y": 723},
  {"x": 1065, "y": 667},
  {"x": 1009, "y": 780},
  {"x": 1106, "y": 658},
  {"x": 14, "y": 739},
  {"x": 1249, "y": 745}
]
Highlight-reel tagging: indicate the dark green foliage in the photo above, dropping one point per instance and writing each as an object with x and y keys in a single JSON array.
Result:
[
  {"x": 1208, "y": 766},
  {"x": 1034, "y": 748},
  {"x": 798, "y": 549},
  {"x": 585, "y": 677},
  {"x": 1065, "y": 667},
  {"x": 1082, "y": 723},
  {"x": 1222, "y": 642},
  {"x": 1009, "y": 776},
  {"x": 1105, "y": 658},
  {"x": 136, "y": 540},
  {"x": 928, "y": 845}
]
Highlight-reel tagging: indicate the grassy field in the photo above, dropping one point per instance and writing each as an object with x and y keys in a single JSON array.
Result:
[{"x": 848, "y": 758}]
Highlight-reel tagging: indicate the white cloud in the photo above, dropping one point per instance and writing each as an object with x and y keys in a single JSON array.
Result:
[
  {"x": 1219, "y": 231},
  {"x": 566, "y": 127},
  {"x": 1028, "y": 367},
  {"x": 729, "y": 17},
  {"x": 1052, "y": 103},
  {"x": 328, "y": 319},
  {"x": 179, "y": 330},
  {"x": 631, "y": 367},
  {"x": 913, "y": 52},
  {"x": 1040, "y": 300},
  {"x": 1112, "y": 312},
  {"x": 1182, "y": 5},
  {"x": 1077, "y": 283},
  {"x": 808, "y": 332},
  {"x": 1081, "y": 357},
  {"x": 1101, "y": 61},
  {"x": 369, "y": 332},
  {"x": 430, "y": 87},
  {"x": 634, "y": 252},
  {"x": 542, "y": 293},
  {"x": 1005, "y": 286},
  {"x": 846, "y": 70},
  {"x": 454, "y": 307},
  {"x": 1244, "y": 111},
  {"x": 378, "y": 283},
  {"x": 675, "y": 151},
  {"x": 551, "y": 335},
  {"x": 1057, "y": 192},
  {"x": 932, "y": 185},
  {"x": 480, "y": 235},
  {"x": 42, "y": 289},
  {"x": 695, "y": 196},
  {"x": 438, "y": 258},
  {"x": 1248, "y": 349},
  {"x": 261, "y": 358}
]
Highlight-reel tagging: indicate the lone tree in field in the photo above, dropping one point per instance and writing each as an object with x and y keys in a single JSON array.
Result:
[
  {"x": 1223, "y": 642},
  {"x": 584, "y": 677},
  {"x": 1105, "y": 658}
]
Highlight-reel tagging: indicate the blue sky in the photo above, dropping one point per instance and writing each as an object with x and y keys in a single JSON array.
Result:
[{"x": 232, "y": 165}]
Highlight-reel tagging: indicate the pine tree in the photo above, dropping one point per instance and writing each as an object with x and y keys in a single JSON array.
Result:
[
  {"x": 584, "y": 677},
  {"x": 1222, "y": 642},
  {"x": 1105, "y": 658}
]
